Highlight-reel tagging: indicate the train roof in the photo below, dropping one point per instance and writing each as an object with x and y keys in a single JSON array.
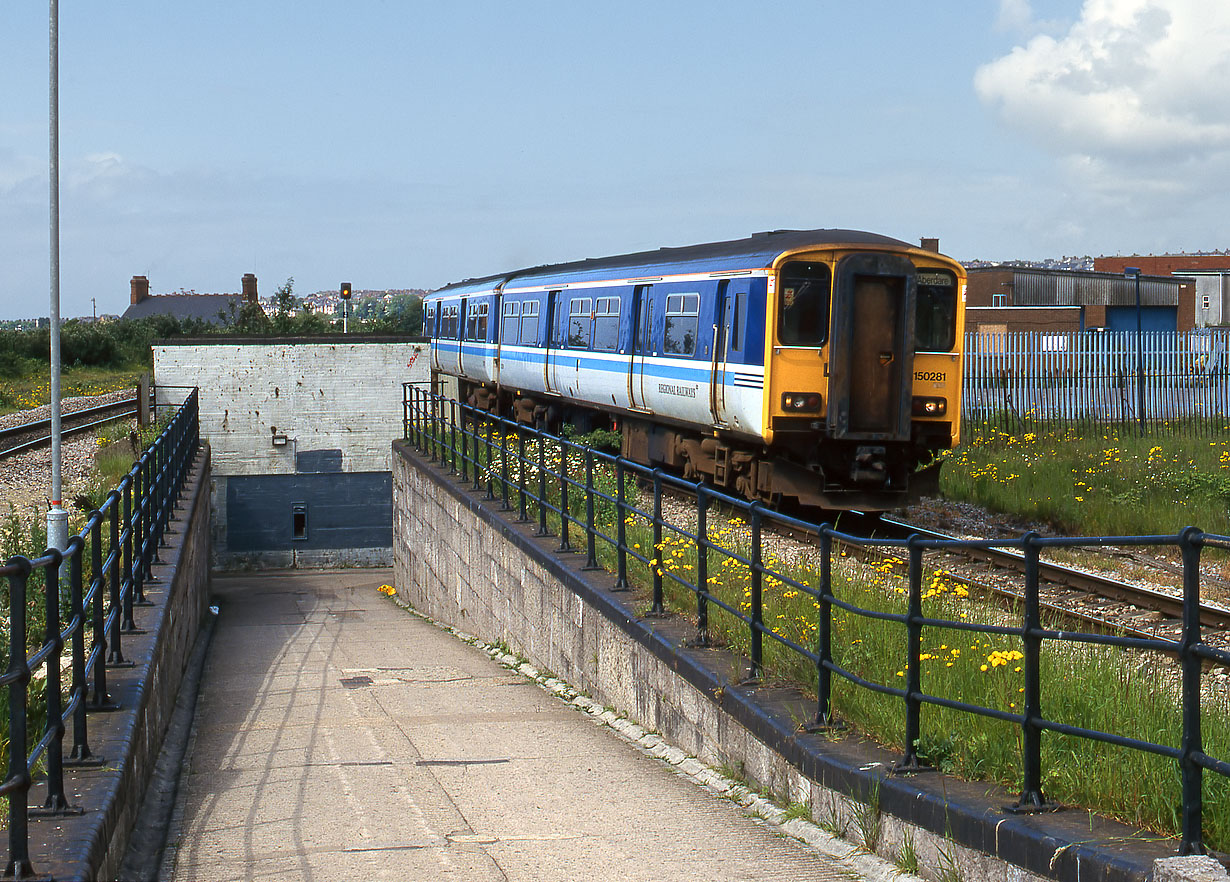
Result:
[{"x": 754, "y": 252}]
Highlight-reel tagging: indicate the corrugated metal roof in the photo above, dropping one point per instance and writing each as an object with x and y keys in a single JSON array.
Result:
[{"x": 1032, "y": 287}]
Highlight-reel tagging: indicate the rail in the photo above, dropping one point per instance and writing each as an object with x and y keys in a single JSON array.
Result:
[
  {"x": 97, "y": 580},
  {"x": 533, "y": 473}
]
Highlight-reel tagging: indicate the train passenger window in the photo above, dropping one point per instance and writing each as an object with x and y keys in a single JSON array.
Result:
[
  {"x": 508, "y": 328},
  {"x": 803, "y": 304},
  {"x": 737, "y": 331},
  {"x": 476, "y": 322},
  {"x": 681, "y": 322},
  {"x": 580, "y": 311},
  {"x": 448, "y": 323},
  {"x": 606, "y": 324},
  {"x": 529, "y": 323},
  {"x": 429, "y": 321},
  {"x": 935, "y": 319}
]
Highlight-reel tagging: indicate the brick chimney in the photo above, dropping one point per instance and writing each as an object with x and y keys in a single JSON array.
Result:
[
  {"x": 930, "y": 244},
  {"x": 140, "y": 289},
  {"x": 249, "y": 288}
]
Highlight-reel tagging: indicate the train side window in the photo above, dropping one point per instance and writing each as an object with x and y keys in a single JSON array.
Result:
[
  {"x": 448, "y": 323},
  {"x": 529, "y": 323},
  {"x": 935, "y": 319},
  {"x": 606, "y": 324},
  {"x": 681, "y": 322},
  {"x": 803, "y": 304},
  {"x": 579, "y": 317},
  {"x": 476, "y": 322},
  {"x": 508, "y": 327},
  {"x": 429, "y": 321}
]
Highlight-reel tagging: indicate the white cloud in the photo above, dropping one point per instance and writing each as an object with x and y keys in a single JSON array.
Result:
[
  {"x": 1131, "y": 82},
  {"x": 1015, "y": 15}
]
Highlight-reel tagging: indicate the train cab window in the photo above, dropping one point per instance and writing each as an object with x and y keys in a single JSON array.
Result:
[
  {"x": 803, "y": 304},
  {"x": 935, "y": 321},
  {"x": 681, "y": 321},
  {"x": 511, "y": 322},
  {"x": 737, "y": 331},
  {"x": 580, "y": 311},
  {"x": 606, "y": 324},
  {"x": 476, "y": 322},
  {"x": 529, "y": 323}
]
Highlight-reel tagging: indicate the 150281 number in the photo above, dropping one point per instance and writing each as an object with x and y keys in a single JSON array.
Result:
[{"x": 930, "y": 376}]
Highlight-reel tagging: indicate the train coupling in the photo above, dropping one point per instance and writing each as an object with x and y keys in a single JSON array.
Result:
[{"x": 869, "y": 468}]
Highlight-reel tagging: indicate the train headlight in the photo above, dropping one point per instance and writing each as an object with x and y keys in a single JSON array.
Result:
[
  {"x": 929, "y": 407},
  {"x": 801, "y": 402}
]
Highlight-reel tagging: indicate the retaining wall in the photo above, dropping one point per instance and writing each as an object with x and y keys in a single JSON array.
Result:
[
  {"x": 460, "y": 560},
  {"x": 91, "y": 845}
]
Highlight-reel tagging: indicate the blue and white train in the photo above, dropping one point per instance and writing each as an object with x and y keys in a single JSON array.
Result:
[{"x": 823, "y": 365}]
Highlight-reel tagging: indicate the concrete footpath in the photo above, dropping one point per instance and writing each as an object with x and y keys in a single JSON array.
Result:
[{"x": 338, "y": 736}]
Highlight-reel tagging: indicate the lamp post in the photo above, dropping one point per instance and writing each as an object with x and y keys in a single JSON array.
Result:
[
  {"x": 1134, "y": 272},
  {"x": 57, "y": 517}
]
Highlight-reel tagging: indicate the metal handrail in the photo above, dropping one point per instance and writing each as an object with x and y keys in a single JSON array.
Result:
[
  {"x": 102, "y": 588},
  {"x": 452, "y": 433}
]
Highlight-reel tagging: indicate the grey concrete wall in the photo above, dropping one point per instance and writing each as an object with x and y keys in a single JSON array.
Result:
[
  {"x": 460, "y": 561},
  {"x": 91, "y": 845}
]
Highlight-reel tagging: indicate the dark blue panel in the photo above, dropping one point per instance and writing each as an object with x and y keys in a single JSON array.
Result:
[
  {"x": 318, "y": 460},
  {"x": 1152, "y": 318},
  {"x": 348, "y": 510}
]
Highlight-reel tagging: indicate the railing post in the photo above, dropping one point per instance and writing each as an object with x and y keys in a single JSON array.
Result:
[
  {"x": 56, "y": 802},
  {"x": 757, "y": 577},
  {"x": 115, "y": 580},
  {"x": 1032, "y": 798},
  {"x": 504, "y": 428},
  {"x": 564, "y": 544},
  {"x": 489, "y": 426},
  {"x": 19, "y": 840},
  {"x": 824, "y": 634},
  {"x": 591, "y": 549},
  {"x": 658, "y": 545},
  {"x": 702, "y": 565},
  {"x": 100, "y": 579},
  {"x": 621, "y": 528},
  {"x": 913, "y": 648},
  {"x": 542, "y": 486},
  {"x": 1190, "y": 541},
  {"x": 77, "y": 692},
  {"x": 521, "y": 486},
  {"x": 452, "y": 430},
  {"x": 132, "y": 568}
]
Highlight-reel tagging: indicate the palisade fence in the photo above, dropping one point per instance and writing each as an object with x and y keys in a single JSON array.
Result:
[
  {"x": 95, "y": 583},
  {"x": 1041, "y": 381},
  {"x": 589, "y": 497}
]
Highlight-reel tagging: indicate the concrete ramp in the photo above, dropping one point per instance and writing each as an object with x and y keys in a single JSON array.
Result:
[{"x": 338, "y": 736}]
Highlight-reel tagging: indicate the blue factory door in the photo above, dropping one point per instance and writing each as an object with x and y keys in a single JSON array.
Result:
[{"x": 1152, "y": 318}]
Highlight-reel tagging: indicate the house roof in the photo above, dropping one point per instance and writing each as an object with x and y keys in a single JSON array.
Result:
[{"x": 204, "y": 307}]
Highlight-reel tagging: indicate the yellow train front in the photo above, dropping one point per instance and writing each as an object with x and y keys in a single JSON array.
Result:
[{"x": 822, "y": 366}]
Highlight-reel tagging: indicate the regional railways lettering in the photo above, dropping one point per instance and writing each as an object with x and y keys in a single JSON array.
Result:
[{"x": 685, "y": 391}]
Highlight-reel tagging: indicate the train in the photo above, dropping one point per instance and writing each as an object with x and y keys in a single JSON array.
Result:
[{"x": 821, "y": 367}]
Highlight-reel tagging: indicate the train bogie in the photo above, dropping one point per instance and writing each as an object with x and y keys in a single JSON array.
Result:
[{"x": 820, "y": 365}]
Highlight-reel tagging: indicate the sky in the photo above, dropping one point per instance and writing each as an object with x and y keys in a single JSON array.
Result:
[{"x": 409, "y": 145}]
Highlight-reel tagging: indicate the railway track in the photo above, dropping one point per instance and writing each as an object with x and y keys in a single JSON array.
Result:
[
  {"x": 37, "y": 433},
  {"x": 1067, "y": 591}
]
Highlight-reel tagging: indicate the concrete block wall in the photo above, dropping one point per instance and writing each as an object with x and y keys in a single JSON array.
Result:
[
  {"x": 461, "y": 562},
  {"x": 321, "y": 394}
]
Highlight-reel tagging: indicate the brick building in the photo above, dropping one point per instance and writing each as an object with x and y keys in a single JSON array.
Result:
[
  {"x": 1005, "y": 298},
  {"x": 1211, "y": 272}
]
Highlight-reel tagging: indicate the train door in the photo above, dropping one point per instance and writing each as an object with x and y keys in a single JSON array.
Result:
[
  {"x": 871, "y": 363},
  {"x": 726, "y": 337},
  {"x": 642, "y": 337},
  {"x": 553, "y": 341}
]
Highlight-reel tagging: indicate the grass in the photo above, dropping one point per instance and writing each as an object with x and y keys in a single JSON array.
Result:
[
  {"x": 1099, "y": 688},
  {"x": 33, "y": 389},
  {"x": 1105, "y": 482}
]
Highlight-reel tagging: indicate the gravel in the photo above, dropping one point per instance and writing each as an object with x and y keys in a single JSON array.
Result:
[{"x": 25, "y": 479}]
